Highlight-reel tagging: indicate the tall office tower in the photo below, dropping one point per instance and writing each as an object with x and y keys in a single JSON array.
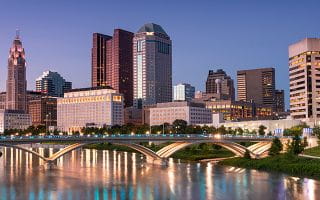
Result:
[
  {"x": 304, "y": 74},
  {"x": 99, "y": 60},
  {"x": 16, "y": 82},
  {"x": 116, "y": 61},
  {"x": 257, "y": 85},
  {"x": 52, "y": 84},
  {"x": 183, "y": 92},
  {"x": 152, "y": 66},
  {"x": 226, "y": 83},
  {"x": 279, "y": 101}
]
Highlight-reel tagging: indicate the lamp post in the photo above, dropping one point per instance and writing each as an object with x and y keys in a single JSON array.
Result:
[{"x": 47, "y": 127}]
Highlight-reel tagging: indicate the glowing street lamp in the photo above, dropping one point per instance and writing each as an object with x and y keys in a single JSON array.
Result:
[{"x": 217, "y": 136}]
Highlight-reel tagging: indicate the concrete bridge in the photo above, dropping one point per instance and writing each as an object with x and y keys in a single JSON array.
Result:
[{"x": 178, "y": 142}]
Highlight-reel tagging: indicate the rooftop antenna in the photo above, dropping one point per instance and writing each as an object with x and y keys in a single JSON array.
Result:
[{"x": 17, "y": 34}]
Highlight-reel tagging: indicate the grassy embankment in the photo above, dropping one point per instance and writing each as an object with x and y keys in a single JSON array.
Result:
[
  {"x": 285, "y": 163},
  {"x": 315, "y": 151}
]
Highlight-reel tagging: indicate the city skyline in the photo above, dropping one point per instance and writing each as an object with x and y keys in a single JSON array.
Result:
[{"x": 269, "y": 47}]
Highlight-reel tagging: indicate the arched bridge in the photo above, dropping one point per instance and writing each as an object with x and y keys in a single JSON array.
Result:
[{"x": 178, "y": 142}]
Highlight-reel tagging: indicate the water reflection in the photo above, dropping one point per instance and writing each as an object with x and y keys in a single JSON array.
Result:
[{"x": 93, "y": 174}]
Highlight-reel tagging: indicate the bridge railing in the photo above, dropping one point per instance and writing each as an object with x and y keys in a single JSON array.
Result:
[{"x": 137, "y": 136}]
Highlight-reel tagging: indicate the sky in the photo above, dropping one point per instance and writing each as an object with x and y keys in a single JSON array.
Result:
[{"x": 206, "y": 35}]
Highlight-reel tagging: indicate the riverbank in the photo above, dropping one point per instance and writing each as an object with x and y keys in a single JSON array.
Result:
[
  {"x": 191, "y": 153},
  {"x": 284, "y": 163},
  {"x": 315, "y": 151}
]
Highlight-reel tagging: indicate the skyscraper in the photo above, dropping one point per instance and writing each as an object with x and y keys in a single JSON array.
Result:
[
  {"x": 304, "y": 74},
  {"x": 226, "y": 83},
  {"x": 52, "y": 84},
  {"x": 16, "y": 81},
  {"x": 152, "y": 66},
  {"x": 279, "y": 101},
  {"x": 112, "y": 62},
  {"x": 257, "y": 85},
  {"x": 183, "y": 92},
  {"x": 99, "y": 59}
]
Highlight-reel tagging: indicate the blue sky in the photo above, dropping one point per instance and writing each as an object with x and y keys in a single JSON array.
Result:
[{"x": 231, "y": 35}]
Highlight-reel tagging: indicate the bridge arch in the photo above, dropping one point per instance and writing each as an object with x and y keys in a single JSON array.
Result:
[
  {"x": 235, "y": 148},
  {"x": 25, "y": 150},
  {"x": 145, "y": 151}
]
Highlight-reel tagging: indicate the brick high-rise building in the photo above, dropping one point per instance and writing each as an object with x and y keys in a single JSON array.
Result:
[
  {"x": 257, "y": 85},
  {"x": 16, "y": 82},
  {"x": 225, "y": 83},
  {"x": 112, "y": 62},
  {"x": 152, "y": 66}
]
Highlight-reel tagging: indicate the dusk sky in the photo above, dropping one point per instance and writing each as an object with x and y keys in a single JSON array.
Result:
[{"x": 231, "y": 35}]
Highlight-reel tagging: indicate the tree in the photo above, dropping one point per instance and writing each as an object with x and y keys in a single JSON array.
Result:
[
  {"x": 222, "y": 130},
  {"x": 296, "y": 147},
  {"x": 262, "y": 129},
  {"x": 247, "y": 154},
  {"x": 239, "y": 131},
  {"x": 179, "y": 125},
  {"x": 316, "y": 131},
  {"x": 276, "y": 147}
]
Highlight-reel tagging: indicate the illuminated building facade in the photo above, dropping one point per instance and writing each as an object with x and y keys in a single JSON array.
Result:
[
  {"x": 235, "y": 110},
  {"x": 279, "y": 101},
  {"x": 257, "y": 85},
  {"x": 16, "y": 81},
  {"x": 100, "y": 106},
  {"x": 112, "y": 62},
  {"x": 192, "y": 113},
  {"x": 14, "y": 119},
  {"x": 43, "y": 111},
  {"x": 304, "y": 75},
  {"x": 152, "y": 66}
]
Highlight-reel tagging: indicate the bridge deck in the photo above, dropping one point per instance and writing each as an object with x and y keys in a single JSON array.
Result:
[{"x": 131, "y": 138}]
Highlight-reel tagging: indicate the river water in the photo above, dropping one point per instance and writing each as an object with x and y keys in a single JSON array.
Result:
[{"x": 95, "y": 174}]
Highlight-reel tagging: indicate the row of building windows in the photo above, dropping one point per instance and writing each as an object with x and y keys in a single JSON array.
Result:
[{"x": 89, "y": 99}]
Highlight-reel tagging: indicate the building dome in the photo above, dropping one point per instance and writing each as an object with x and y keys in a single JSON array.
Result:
[{"x": 151, "y": 27}]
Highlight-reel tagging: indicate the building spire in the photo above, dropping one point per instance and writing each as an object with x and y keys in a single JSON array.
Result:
[{"x": 17, "y": 34}]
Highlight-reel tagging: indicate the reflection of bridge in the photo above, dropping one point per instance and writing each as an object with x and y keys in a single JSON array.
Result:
[{"x": 179, "y": 141}]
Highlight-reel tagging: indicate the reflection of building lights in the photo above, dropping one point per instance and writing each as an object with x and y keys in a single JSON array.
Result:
[{"x": 217, "y": 136}]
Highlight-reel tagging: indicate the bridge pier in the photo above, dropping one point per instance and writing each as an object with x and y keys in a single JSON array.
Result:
[
  {"x": 157, "y": 161},
  {"x": 49, "y": 165}
]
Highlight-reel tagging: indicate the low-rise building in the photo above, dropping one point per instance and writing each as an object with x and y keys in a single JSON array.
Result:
[
  {"x": 98, "y": 106},
  {"x": 235, "y": 110},
  {"x": 192, "y": 113},
  {"x": 13, "y": 119},
  {"x": 271, "y": 125},
  {"x": 43, "y": 111},
  {"x": 132, "y": 115}
]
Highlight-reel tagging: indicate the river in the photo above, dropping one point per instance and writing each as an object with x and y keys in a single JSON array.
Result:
[{"x": 95, "y": 174}]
